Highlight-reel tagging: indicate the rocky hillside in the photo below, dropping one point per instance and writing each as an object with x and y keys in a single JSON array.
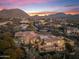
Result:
[{"x": 15, "y": 13}]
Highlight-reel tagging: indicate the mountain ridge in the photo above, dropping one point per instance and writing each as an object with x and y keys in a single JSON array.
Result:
[{"x": 8, "y": 13}]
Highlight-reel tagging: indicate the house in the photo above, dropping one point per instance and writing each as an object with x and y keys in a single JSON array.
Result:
[
  {"x": 52, "y": 43},
  {"x": 24, "y": 24},
  {"x": 26, "y": 37},
  {"x": 72, "y": 31}
]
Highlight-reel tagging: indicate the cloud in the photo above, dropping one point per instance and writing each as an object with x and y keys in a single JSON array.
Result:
[
  {"x": 73, "y": 11},
  {"x": 72, "y": 5},
  {"x": 3, "y": 7},
  {"x": 23, "y": 2},
  {"x": 1, "y": 1},
  {"x": 20, "y": 3},
  {"x": 42, "y": 13}
]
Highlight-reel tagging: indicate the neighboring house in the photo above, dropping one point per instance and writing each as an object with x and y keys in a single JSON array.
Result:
[
  {"x": 26, "y": 37},
  {"x": 52, "y": 43},
  {"x": 72, "y": 31},
  {"x": 24, "y": 24}
]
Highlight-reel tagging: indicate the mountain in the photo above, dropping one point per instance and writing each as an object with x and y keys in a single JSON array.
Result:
[
  {"x": 15, "y": 13},
  {"x": 58, "y": 15},
  {"x": 70, "y": 18},
  {"x": 73, "y": 19}
]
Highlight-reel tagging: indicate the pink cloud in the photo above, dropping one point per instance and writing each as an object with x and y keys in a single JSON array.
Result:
[
  {"x": 19, "y": 3},
  {"x": 72, "y": 12},
  {"x": 23, "y": 2},
  {"x": 8, "y": 0},
  {"x": 2, "y": 7},
  {"x": 42, "y": 13}
]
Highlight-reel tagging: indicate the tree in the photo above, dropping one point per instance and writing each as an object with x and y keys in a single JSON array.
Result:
[
  {"x": 8, "y": 48},
  {"x": 14, "y": 53}
]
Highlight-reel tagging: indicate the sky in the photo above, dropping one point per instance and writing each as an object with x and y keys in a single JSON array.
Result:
[{"x": 42, "y": 7}]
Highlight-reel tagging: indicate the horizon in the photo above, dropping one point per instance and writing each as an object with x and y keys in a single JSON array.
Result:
[
  {"x": 42, "y": 13},
  {"x": 42, "y": 7}
]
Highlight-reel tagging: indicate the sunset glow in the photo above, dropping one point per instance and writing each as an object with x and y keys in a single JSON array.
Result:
[{"x": 42, "y": 7}]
